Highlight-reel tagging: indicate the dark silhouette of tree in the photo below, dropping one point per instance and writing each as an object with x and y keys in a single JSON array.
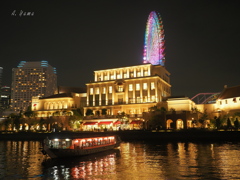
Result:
[
  {"x": 203, "y": 119},
  {"x": 56, "y": 113},
  {"x": 7, "y": 122},
  {"x": 121, "y": 116},
  {"x": 104, "y": 111},
  {"x": 41, "y": 123},
  {"x": 236, "y": 124},
  {"x": 156, "y": 115},
  {"x": 229, "y": 124},
  {"x": 74, "y": 122},
  {"x": 98, "y": 113},
  {"x": 154, "y": 108},
  {"x": 78, "y": 112},
  {"x": 163, "y": 109},
  {"x": 16, "y": 122},
  {"x": 237, "y": 114},
  {"x": 155, "y": 121},
  {"x": 29, "y": 113},
  {"x": 218, "y": 122},
  {"x": 89, "y": 112}
]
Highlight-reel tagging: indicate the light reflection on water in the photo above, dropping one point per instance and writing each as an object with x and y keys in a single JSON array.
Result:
[{"x": 133, "y": 161}]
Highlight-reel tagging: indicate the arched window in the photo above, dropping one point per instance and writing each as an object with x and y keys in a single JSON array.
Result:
[
  {"x": 46, "y": 105},
  {"x": 51, "y": 106},
  {"x": 169, "y": 124},
  {"x": 55, "y": 105},
  {"x": 60, "y": 106},
  {"x": 179, "y": 124},
  {"x": 65, "y": 106}
]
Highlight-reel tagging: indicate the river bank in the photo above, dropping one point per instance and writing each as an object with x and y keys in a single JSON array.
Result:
[{"x": 184, "y": 135}]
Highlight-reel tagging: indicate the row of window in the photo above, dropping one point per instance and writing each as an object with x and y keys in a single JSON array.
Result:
[
  {"x": 120, "y": 88},
  {"x": 226, "y": 101},
  {"x": 25, "y": 84},
  {"x": 29, "y": 77},
  {"x": 122, "y": 76},
  {"x": 102, "y": 102}
]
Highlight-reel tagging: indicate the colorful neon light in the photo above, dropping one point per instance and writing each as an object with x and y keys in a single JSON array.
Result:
[{"x": 154, "y": 40}]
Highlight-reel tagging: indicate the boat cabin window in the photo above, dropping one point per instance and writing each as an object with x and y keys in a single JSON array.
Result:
[
  {"x": 60, "y": 143},
  {"x": 80, "y": 143}
]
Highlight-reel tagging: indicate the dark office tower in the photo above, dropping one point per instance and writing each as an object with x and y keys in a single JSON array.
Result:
[
  {"x": 36, "y": 78},
  {"x": 5, "y": 97},
  {"x": 1, "y": 72}
]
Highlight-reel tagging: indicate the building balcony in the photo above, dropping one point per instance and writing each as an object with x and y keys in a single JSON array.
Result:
[
  {"x": 111, "y": 116},
  {"x": 135, "y": 115},
  {"x": 99, "y": 117},
  {"x": 120, "y": 103}
]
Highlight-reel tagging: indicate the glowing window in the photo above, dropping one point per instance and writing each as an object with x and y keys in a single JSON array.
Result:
[
  {"x": 130, "y": 87},
  {"x": 125, "y": 75},
  {"x": 112, "y": 76},
  {"x": 119, "y": 76},
  {"x": 104, "y": 90},
  {"x": 110, "y": 89},
  {"x": 131, "y": 74},
  {"x": 120, "y": 88},
  {"x": 91, "y": 90},
  {"x": 138, "y": 74},
  {"x": 152, "y": 85},
  {"x": 145, "y": 73},
  {"x": 137, "y": 87},
  {"x": 145, "y": 86},
  {"x": 97, "y": 90},
  {"x": 153, "y": 98}
]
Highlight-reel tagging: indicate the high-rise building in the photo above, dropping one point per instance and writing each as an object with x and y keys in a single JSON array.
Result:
[
  {"x": 5, "y": 97},
  {"x": 29, "y": 79},
  {"x": 1, "y": 72}
]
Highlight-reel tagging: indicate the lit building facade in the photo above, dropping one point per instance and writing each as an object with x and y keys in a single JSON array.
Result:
[
  {"x": 58, "y": 105},
  {"x": 228, "y": 101},
  {"x": 30, "y": 79},
  {"x": 132, "y": 90}
]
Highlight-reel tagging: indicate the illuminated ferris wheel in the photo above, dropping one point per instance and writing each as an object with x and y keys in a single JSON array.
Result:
[{"x": 154, "y": 40}]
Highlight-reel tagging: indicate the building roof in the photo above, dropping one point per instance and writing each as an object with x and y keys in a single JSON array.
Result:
[
  {"x": 66, "y": 89},
  {"x": 62, "y": 95},
  {"x": 131, "y": 66},
  {"x": 230, "y": 92}
]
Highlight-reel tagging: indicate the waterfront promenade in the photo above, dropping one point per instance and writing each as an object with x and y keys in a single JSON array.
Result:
[{"x": 183, "y": 135}]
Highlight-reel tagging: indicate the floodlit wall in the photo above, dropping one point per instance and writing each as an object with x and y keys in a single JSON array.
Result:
[{"x": 180, "y": 104}]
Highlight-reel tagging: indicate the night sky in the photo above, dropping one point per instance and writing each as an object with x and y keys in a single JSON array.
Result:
[{"x": 202, "y": 39}]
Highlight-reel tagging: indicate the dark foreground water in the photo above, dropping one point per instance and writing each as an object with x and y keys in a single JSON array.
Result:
[{"x": 133, "y": 161}]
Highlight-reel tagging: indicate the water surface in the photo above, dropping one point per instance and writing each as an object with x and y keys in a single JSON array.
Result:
[{"x": 133, "y": 161}]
